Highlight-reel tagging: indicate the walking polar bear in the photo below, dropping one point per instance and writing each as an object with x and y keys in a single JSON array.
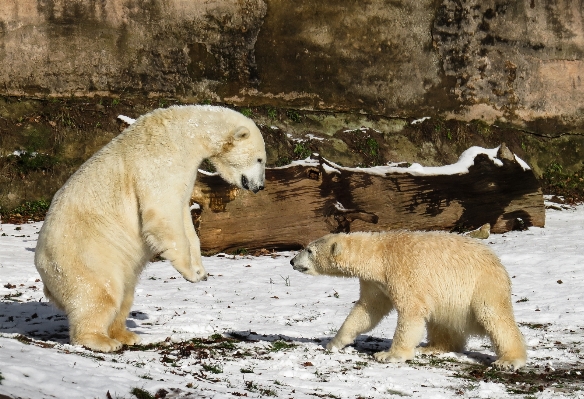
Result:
[
  {"x": 451, "y": 285},
  {"x": 131, "y": 201}
]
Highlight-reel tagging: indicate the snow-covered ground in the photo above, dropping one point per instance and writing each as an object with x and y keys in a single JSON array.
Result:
[{"x": 257, "y": 328}]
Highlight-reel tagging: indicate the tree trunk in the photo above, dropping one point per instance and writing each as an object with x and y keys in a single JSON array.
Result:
[{"x": 307, "y": 200}]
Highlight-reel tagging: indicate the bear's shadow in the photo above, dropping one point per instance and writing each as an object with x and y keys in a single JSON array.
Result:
[
  {"x": 363, "y": 344},
  {"x": 37, "y": 320},
  {"x": 44, "y": 322}
]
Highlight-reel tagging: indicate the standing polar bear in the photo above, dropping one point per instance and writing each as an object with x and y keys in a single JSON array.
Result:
[
  {"x": 131, "y": 201},
  {"x": 450, "y": 285}
]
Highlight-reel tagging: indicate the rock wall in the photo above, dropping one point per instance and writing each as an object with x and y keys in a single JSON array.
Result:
[
  {"x": 355, "y": 74},
  {"x": 519, "y": 61}
]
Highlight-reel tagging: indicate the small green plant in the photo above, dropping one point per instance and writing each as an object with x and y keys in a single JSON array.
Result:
[
  {"x": 216, "y": 337},
  {"x": 141, "y": 393},
  {"x": 65, "y": 119},
  {"x": 272, "y": 113},
  {"x": 282, "y": 161},
  {"x": 35, "y": 210},
  {"x": 481, "y": 127},
  {"x": 394, "y": 392},
  {"x": 241, "y": 251},
  {"x": 558, "y": 181},
  {"x": 246, "y": 371},
  {"x": 146, "y": 377},
  {"x": 280, "y": 345},
  {"x": 115, "y": 101},
  {"x": 252, "y": 387},
  {"x": 28, "y": 162},
  {"x": 302, "y": 150},
  {"x": 373, "y": 146},
  {"x": 294, "y": 116},
  {"x": 215, "y": 369},
  {"x": 227, "y": 345},
  {"x": 246, "y": 112}
]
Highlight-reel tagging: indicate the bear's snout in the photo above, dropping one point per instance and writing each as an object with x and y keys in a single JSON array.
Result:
[
  {"x": 245, "y": 183},
  {"x": 296, "y": 267}
]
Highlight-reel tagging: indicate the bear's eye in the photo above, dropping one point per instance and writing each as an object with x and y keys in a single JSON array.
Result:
[
  {"x": 309, "y": 251},
  {"x": 260, "y": 160}
]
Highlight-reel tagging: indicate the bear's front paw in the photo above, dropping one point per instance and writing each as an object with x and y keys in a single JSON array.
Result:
[
  {"x": 195, "y": 274},
  {"x": 509, "y": 364},
  {"x": 336, "y": 345},
  {"x": 392, "y": 357}
]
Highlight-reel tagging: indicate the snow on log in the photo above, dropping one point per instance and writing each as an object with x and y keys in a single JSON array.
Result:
[{"x": 311, "y": 198}]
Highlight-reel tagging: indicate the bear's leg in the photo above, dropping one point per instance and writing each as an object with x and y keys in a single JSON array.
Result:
[
  {"x": 164, "y": 230},
  {"x": 195, "y": 244},
  {"x": 118, "y": 328},
  {"x": 442, "y": 339},
  {"x": 494, "y": 312},
  {"x": 89, "y": 320},
  {"x": 410, "y": 330},
  {"x": 371, "y": 307}
]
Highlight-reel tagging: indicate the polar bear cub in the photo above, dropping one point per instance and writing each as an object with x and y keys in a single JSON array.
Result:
[
  {"x": 450, "y": 285},
  {"x": 131, "y": 201}
]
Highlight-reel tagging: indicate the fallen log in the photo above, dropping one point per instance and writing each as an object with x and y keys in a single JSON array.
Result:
[{"x": 308, "y": 199}]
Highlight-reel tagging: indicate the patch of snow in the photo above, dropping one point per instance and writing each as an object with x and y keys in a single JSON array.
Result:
[
  {"x": 416, "y": 121},
  {"x": 521, "y": 162},
  {"x": 19, "y": 153},
  {"x": 329, "y": 169},
  {"x": 126, "y": 119},
  {"x": 465, "y": 161},
  {"x": 313, "y": 137},
  {"x": 262, "y": 299}
]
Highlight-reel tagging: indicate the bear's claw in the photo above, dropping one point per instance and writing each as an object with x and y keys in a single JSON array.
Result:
[{"x": 509, "y": 364}]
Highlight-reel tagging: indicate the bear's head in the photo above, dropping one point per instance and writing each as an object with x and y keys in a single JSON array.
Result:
[
  {"x": 242, "y": 160},
  {"x": 320, "y": 257}
]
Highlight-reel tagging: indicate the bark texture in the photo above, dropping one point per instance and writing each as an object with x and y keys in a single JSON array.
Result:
[{"x": 304, "y": 201}]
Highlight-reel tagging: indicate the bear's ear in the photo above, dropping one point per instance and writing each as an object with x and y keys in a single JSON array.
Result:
[
  {"x": 335, "y": 249},
  {"x": 241, "y": 133}
]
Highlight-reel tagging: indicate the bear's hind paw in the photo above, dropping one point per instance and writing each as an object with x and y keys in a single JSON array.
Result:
[
  {"x": 98, "y": 342},
  {"x": 391, "y": 357},
  {"x": 127, "y": 337}
]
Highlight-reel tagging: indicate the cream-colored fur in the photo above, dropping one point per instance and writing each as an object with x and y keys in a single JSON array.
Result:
[
  {"x": 131, "y": 201},
  {"x": 448, "y": 285}
]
